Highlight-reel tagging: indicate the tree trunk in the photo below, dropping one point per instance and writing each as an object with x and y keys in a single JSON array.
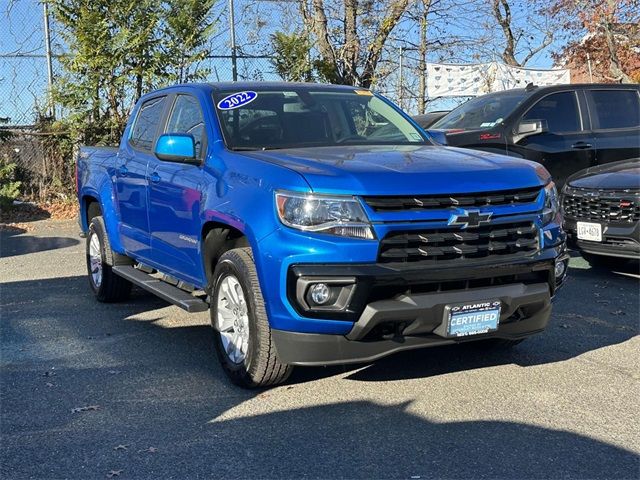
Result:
[{"x": 508, "y": 55}]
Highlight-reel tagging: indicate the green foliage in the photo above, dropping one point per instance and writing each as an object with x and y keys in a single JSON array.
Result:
[
  {"x": 186, "y": 39},
  {"x": 122, "y": 49},
  {"x": 9, "y": 188},
  {"x": 291, "y": 57}
]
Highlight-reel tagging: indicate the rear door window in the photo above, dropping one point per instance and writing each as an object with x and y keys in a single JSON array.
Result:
[
  {"x": 615, "y": 109},
  {"x": 186, "y": 117},
  {"x": 145, "y": 127},
  {"x": 559, "y": 110}
]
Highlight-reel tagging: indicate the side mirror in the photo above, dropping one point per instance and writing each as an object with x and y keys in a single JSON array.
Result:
[
  {"x": 177, "y": 147},
  {"x": 527, "y": 128}
]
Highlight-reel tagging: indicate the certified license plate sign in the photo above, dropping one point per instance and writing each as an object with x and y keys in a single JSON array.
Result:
[
  {"x": 589, "y": 231},
  {"x": 467, "y": 319}
]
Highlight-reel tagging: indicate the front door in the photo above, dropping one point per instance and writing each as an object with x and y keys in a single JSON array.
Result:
[
  {"x": 175, "y": 198},
  {"x": 131, "y": 178},
  {"x": 566, "y": 146}
]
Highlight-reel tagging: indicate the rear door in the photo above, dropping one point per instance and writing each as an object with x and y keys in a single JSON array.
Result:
[
  {"x": 175, "y": 198},
  {"x": 615, "y": 115},
  {"x": 131, "y": 177},
  {"x": 567, "y": 146}
]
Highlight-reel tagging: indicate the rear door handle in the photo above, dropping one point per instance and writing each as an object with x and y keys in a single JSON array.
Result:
[
  {"x": 154, "y": 177},
  {"x": 581, "y": 145},
  {"x": 123, "y": 171}
]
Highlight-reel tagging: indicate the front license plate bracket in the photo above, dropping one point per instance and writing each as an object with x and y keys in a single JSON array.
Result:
[{"x": 470, "y": 319}]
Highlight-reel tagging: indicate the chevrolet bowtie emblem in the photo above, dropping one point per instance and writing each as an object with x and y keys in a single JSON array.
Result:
[{"x": 469, "y": 218}]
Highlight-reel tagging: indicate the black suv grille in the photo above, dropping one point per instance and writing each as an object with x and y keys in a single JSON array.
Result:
[
  {"x": 452, "y": 244},
  {"x": 421, "y": 202},
  {"x": 608, "y": 207}
]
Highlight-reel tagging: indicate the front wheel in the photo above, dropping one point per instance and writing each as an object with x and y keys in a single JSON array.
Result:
[{"x": 242, "y": 333}]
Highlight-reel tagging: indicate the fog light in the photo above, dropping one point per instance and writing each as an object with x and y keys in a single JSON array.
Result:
[
  {"x": 561, "y": 267},
  {"x": 320, "y": 293}
]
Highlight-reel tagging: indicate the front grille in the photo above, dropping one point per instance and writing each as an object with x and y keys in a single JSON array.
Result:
[
  {"x": 447, "y": 244},
  {"x": 433, "y": 202},
  {"x": 609, "y": 207}
]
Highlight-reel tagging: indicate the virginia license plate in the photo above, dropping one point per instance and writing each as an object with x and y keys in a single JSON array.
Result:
[
  {"x": 476, "y": 318},
  {"x": 589, "y": 231}
]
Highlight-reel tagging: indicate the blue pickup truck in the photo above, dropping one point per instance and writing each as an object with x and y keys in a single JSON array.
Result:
[{"x": 318, "y": 225}]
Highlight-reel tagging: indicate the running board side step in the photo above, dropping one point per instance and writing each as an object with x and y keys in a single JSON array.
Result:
[{"x": 167, "y": 292}]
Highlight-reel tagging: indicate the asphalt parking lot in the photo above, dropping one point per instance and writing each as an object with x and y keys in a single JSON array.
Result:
[{"x": 133, "y": 390}]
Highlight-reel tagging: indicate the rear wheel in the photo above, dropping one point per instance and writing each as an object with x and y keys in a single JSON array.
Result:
[
  {"x": 242, "y": 333},
  {"x": 107, "y": 286}
]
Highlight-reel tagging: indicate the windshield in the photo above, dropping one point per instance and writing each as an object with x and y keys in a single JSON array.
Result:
[
  {"x": 481, "y": 112},
  {"x": 294, "y": 118}
]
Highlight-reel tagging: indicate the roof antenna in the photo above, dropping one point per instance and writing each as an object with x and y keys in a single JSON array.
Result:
[{"x": 530, "y": 87}]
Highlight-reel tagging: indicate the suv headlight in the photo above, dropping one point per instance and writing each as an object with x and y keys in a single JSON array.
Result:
[
  {"x": 334, "y": 215},
  {"x": 551, "y": 203}
]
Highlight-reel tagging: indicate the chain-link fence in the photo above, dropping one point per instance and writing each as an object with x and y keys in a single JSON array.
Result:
[
  {"x": 31, "y": 50},
  {"x": 32, "y": 44}
]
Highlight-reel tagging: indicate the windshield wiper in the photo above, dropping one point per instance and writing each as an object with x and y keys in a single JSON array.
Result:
[{"x": 244, "y": 149}]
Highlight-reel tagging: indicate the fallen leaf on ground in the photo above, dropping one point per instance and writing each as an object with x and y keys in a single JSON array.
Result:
[
  {"x": 114, "y": 473},
  {"x": 85, "y": 409},
  {"x": 49, "y": 384},
  {"x": 149, "y": 450},
  {"x": 617, "y": 312},
  {"x": 121, "y": 447}
]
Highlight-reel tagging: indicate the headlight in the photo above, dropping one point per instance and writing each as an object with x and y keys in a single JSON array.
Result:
[
  {"x": 551, "y": 204},
  {"x": 335, "y": 215}
]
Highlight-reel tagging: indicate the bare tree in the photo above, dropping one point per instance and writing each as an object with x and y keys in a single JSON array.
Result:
[
  {"x": 514, "y": 35},
  {"x": 350, "y": 35}
]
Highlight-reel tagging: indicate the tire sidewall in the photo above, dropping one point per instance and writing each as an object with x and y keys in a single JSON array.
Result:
[
  {"x": 95, "y": 230},
  {"x": 223, "y": 269}
]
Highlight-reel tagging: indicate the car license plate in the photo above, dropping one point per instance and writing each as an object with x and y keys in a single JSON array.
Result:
[
  {"x": 476, "y": 318},
  {"x": 590, "y": 231}
]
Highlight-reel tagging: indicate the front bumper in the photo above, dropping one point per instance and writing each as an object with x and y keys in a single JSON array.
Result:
[
  {"x": 399, "y": 309},
  {"x": 618, "y": 240},
  {"x": 411, "y": 321}
]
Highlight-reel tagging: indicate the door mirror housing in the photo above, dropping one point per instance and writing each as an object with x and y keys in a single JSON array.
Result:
[
  {"x": 177, "y": 147},
  {"x": 527, "y": 128}
]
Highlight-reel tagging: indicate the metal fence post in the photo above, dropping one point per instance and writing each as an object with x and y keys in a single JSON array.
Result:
[
  {"x": 234, "y": 53},
  {"x": 47, "y": 44}
]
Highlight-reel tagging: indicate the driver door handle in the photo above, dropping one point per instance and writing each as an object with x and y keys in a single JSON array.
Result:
[
  {"x": 154, "y": 177},
  {"x": 581, "y": 145},
  {"x": 123, "y": 170}
]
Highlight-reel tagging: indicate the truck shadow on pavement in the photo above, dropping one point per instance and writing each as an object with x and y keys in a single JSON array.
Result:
[
  {"x": 13, "y": 242},
  {"x": 362, "y": 439},
  {"x": 155, "y": 382}
]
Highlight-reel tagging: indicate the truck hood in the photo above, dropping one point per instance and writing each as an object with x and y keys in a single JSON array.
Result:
[{"x": 398, "y": 170}]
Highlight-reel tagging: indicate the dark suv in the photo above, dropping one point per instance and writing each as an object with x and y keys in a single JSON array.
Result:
[
  {"x": 601, "y": 207},
  {"x": 566, "y": 128}
]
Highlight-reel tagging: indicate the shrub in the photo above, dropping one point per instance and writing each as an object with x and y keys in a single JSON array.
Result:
[{"x": 9, "y": 188}]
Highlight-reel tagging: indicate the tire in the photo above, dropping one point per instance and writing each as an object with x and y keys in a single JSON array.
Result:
[
  {"x": 602, "y": 261},
  {"x": 241, "y": 320},
  {"x": 106, "y": 285}
]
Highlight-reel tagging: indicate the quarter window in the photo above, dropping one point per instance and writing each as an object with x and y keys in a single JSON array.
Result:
[
  {"x": 187, "y": 117},
  {"x": 616, "y": 108},
  {"x": 146, "y": 124},
  {"x": 559, "y": 110}
]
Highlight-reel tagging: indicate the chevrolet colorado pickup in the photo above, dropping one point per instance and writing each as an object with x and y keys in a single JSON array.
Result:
[{"x": 318, "y": 225}]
